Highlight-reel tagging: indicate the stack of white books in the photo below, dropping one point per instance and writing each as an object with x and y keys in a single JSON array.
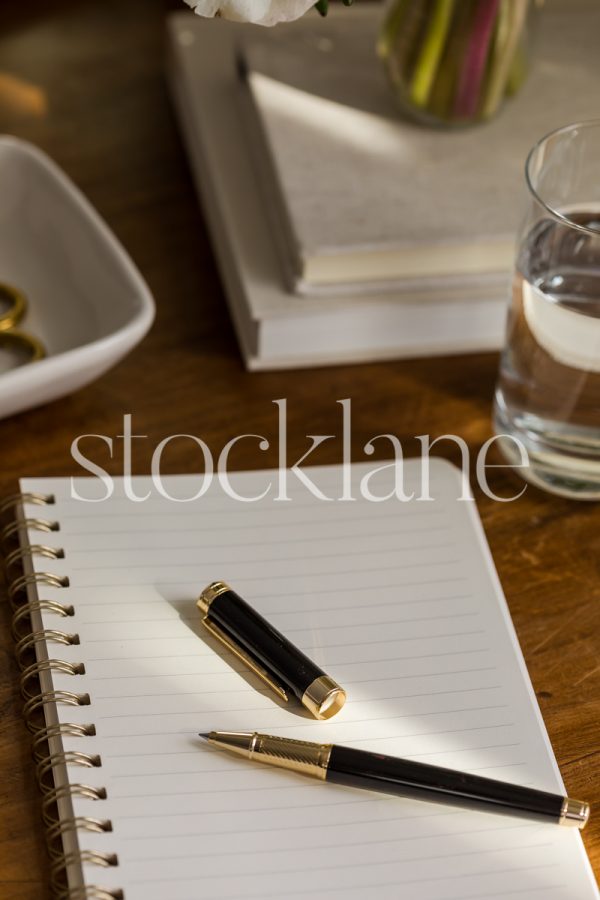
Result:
[{"x": 343, "y": 232}]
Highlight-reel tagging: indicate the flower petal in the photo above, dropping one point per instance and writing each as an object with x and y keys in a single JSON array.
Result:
[
  {"x": 205, "y": 7},
  {"x": 260, "y": 12}
]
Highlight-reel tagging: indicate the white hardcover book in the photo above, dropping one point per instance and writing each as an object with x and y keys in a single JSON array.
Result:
[
  {"x": 276, "y": 328},
  {"x": 362, "y": 196}
]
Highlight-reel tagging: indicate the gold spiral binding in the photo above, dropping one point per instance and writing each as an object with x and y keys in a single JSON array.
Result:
[
  {"x": 36, "y": 699},
  {"x": 66, "y": 758},
  {"x": 14, "y": 500},
  {"x": 91, "y": 892},
  {"x": 55, "y": 833},
  {"x": 46, "y": 636},
  {"x": 78, "y": 823},
  {"x": 40, "y": 700},
  {"x": 45, "y": 733},
  {"x": 46, "y": 578},
  {"x": 18, "y": 555},
  {"x": 27, "y": 525},
  {"x": 46, "y": 665},
  {"x": 63, "y": 791},
  {"x": 22, "y": 614},
  {"x": 83, "y": 857}
]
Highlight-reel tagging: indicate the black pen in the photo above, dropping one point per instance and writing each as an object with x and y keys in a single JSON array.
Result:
[{"x": 391, "y": 775}]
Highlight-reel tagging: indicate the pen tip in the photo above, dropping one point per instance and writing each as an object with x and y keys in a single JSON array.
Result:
[{"x": 204, "y": 736}]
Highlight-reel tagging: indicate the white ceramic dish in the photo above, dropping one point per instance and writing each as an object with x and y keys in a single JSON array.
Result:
[{"x": 88, "y": 303}]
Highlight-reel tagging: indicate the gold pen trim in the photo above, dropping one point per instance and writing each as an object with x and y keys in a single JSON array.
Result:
[
  {"x": 209, "y": 594},
  {"x": 324, "y": 697},
  {"x": 304, "y": 757},
  {"x": 574, "y": 813},
  {"x": 248, "y": 660}
]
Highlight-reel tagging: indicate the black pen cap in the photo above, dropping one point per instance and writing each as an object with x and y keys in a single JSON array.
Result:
[{"x": 267, "y": 652}]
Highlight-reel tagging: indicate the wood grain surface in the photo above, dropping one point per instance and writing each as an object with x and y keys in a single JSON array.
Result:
[{"x": 102, "y": 112}]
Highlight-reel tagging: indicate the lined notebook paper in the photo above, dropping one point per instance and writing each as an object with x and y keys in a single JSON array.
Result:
[{"x": 399, "y": 602}]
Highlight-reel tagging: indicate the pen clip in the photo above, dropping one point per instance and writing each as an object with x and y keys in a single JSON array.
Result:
[{"x": 245, "y": 657}]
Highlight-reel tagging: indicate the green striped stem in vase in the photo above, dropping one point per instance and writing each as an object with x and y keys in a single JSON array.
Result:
[{"x": 453, "y": 62}]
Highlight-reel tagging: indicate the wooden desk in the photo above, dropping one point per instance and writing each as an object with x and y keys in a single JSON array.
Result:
[{"x": 109, "y": 124}]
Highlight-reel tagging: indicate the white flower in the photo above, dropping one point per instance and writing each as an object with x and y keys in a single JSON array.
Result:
[{"x": 261, "y": 12}]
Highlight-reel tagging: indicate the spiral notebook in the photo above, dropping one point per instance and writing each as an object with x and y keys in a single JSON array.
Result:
[{"x": 398, "y": 601}]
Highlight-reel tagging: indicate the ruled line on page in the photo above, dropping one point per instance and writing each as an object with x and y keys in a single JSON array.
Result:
[
  {"x": 303, "y": 724},
  {"x": 241, "y": 670},
  {"x": 366, "y": 843},
  {"x": 399, "y": 540},
  {"x": 162, "y": 527},
  {"x": 225, "y": 505},
  {"x": 226, "y": 654},
  {"x": 315, "y": 611},
  {"x": 304, "y": 610},
  {"x": 350, "y": 845},
  {"x": 473, "y": 690},
  {"x": 289, "y": 596},
  {"x": 324, "y": 592},
  {"x": 301, "y": 499},
  {"x": 310, "y": 648},
  {"x": 276, "y": 559},
  {"x": 400, "y": 882},
  {"x": 348, "y": 684},
  {"x": 383, "y": 737},
  {"x": 314, "y": 623},
  {"x": 528, "y": 890},
  {"x": 364, "y": 642},
  {"x": 233, "y": 545},
  {"x": 191, "y": 636},
  {"x": 364, "y": 887},
  {"x": 379, "y": 884},
  {"x": 272, "y": 576},
  {"x": 393, "y": 509},
  {"x": 343, "y": 804},
  {"x": 294, "y": 827},
  {"x": 308, "y": 785},
  {"x": 179, "y": 753}
]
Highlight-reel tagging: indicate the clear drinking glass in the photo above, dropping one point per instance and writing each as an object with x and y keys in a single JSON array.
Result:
[{"x": 548, "y": 392}]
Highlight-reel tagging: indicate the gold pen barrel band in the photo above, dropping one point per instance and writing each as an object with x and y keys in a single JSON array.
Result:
[
  {"x": 299, "y": 756},
  {"x": 305, "y": 757},
  {"x": 574, "y": 813},
  {"x": 324, "y": 697}
]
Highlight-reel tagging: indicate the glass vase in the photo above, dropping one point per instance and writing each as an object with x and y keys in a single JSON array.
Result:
[{"x": 454, "y": 62}]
